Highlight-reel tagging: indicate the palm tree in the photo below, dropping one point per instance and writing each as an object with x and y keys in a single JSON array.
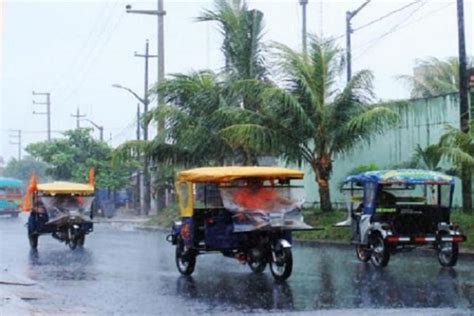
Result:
[
  {"x": 242, "y": 30},
  {"x": 309, "y": 119},
  {"x": 434, "y": 77},
  {"x": 458, "y": 147}
]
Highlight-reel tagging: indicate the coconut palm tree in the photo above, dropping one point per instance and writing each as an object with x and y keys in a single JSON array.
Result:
[
  {"x": 434, "y": 77},
  {"x": 309, "y": 118}
]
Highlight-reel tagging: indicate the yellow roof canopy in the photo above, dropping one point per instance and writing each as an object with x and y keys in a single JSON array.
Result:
[
  {"x": 228, "y": 174},
  {"x": 65, "y": 187}
]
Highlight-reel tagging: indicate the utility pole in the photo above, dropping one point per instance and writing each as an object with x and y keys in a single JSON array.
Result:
[
  {"x": 78, "y": 117},
  {"x": 349, "y": 31},
  {"x": 146, "y": 171},
  {"x": 48, "y": 110},
  {"x": 17, "y": 137},
  {"x": 145, "y": 92},
  {"x": 304, "y": 34},
  {"x": 464, "y": 111},
  {"x": 138, "y": 178},
  {"x": 160, "y": 13}
]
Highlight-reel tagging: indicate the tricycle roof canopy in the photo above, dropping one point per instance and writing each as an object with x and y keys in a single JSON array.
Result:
[
  {"x": 402, "y": 176},
  {"x": 228, "y": 174},
  {"x": 10, "y": 182},
  {"x": 65, "y": 187}
]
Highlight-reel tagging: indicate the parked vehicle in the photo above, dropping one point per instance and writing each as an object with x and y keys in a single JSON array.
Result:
[
  {"x": 247, "y": 213},
  {"x": 62, "y": 209},
  {"x": 10, "y": 196},
  {"x": 397, "y": 210}
]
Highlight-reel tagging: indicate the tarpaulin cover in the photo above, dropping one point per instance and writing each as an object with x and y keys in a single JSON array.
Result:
[
  {"x": 228, "y": 174},
  {"x": 402, "y": 176}
]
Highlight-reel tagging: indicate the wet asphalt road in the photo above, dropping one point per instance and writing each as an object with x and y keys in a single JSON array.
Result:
[{"x": 122, "y": 271}]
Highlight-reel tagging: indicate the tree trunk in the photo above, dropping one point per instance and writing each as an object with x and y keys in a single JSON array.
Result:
[
  {"x": 466, "y": 186},
  {"x": 322, "y": 168}
]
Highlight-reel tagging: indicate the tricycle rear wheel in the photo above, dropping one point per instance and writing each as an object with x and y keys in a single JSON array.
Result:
[
  {"x": 448, "y": 254},
  {"x": 379, "y": 253},
  {"x": 281, "y": 264},
  {"x": 257, "y": 266},
  {"x": 185, "y": 260},
  {"x": 362, "y": 253},
  {"x": 33, "y": 238}
]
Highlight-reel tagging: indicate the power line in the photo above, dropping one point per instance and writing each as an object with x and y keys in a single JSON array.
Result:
[
  {"x": 80, "y": 53},
  {"x": 399, "y": 27},
  {"x": 91, "y": 56},
  {"x": 88, "y": 68},
  {"x": 387, "y": 15}
]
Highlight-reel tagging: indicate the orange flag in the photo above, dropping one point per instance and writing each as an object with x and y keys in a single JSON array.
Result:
[
  {"x": 91, "y": 177},
  {"x": 28, "y": 199}
]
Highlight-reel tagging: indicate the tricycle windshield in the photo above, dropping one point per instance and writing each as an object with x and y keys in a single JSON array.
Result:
[{"x": 63, "y": 204}]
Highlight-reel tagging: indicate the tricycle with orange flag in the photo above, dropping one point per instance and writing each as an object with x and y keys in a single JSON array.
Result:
[{"x": 62, "y": 209}]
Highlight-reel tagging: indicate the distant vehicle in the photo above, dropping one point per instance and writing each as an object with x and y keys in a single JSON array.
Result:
[
  {"x": 62, "y": 209},
  {"x": 247, "y": 213},
  {"x": 10, "y": 196},
  {"x": 397, "y": 210}
]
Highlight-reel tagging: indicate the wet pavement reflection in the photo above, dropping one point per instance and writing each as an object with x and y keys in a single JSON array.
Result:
[{"x": 124, "y": 271}]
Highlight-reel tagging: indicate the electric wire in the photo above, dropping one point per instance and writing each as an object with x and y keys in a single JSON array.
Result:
[
  {"x": 396, "y": 28},
  {"x": 387, "y": 15}
]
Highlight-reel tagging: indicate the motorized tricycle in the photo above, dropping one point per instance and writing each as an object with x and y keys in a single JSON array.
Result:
[
  {"x": 247, "y": 213},
  {"x": 10, "y": 196},
  {"x": 62, "y": 209},
  {"x": 397, "y": 210}
]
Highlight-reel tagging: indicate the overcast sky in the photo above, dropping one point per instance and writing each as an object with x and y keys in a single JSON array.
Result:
[{"x": 77, "y": 49}]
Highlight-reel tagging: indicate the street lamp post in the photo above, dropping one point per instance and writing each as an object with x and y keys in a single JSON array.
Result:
[
  {"x": 100, "y": 128},
  {"x": 304, "y": 34},
  {"x": 349, "y": 31},
  {"x": 146, "y": 172}
]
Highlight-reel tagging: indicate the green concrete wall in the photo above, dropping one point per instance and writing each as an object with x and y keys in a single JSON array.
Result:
[{"x": 422, "y": 122}]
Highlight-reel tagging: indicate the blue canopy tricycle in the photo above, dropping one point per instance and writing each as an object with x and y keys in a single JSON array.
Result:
[{"x": 397, "y": 210}]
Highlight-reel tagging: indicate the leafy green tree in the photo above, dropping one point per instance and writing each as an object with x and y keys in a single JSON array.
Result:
[
  {"x": 23, "y": 169},
  {"x": 309, "y": 119},
  {"x": 71, "y": 157},
  {"x": 434, "y": 77},
  {"x": 458, "y": 148}
]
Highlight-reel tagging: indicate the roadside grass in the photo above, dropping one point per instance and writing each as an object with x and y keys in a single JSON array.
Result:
[
  {"x": 326, "y": 221},
  {"x": 165, "y": 218},
  {"x": 466, "y": 226}
]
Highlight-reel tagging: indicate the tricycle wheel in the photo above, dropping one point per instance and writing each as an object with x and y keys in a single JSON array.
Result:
[
  {"x": 72, "y": 243},
  {"x": 379, "y": 254},
  {"x": 281, "y": 264},
  {"x": 362, "y": 253},
  {"x": 81, "y": 240},
  {"x": 258, "y": 266},
  {"x": 185, "y": 260},
  {"x": 33, "y": 238},
  {"x": 448, "y": 254}
]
